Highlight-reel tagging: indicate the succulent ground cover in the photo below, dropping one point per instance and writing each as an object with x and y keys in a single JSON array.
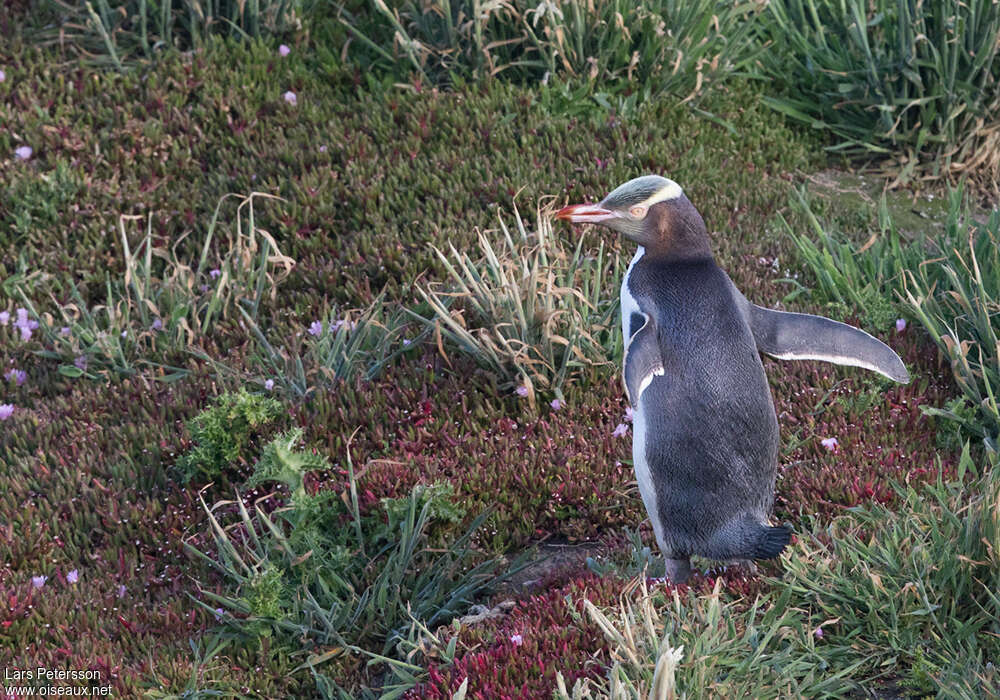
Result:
[{"x": 187, "y": 353}]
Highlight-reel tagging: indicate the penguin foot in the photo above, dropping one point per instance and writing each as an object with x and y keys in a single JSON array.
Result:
[
  {"x": 677, "y": 570},
  {"x": 747, "y": 567}
]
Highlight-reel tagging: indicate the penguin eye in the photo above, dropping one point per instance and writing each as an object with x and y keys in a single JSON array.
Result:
[{"x": 637, "y": 212}]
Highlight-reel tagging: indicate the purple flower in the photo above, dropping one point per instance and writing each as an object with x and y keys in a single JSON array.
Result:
[
  {"x": 629, "y": 414},
  {"x": 121, "y": 591},
  {"x": 80, "y": 363},
  {"x": 406, "y": 341},
  {"x": 64, "y": 330},
  {"x": 517, "y": 640},
  {"x": 157, "y": 324},
  {"x": 818, "y": 632},
  {"x": 290, "y": 98},
  {"x": 521, "y": 390},
  {"x": 829, "y": 443},
  {"x": 315, "y": 328},
  {"x": 39, "y": 581},
  {"x": 284, "y": 50},
  {"x": 18, "y": 375},
  {"x": 73, "y": 576},
  {"x": 25, "y": 325},
  {"x": 900, "y": 325},
  {"x": 556, "y": 404},
  {"x": 203, "y": 287},
  {"x": 269, "y": 384},
  {"x": 620, "y": 430},
  {"x": 214, "y": 273},
  {"x": 322, "y": 149},
  {"x": 124, "y": 333},
  {"x": 6, "y": 410},
  {"x": 23, "y": 152},
  {"x": 4, "y": 317},
  {"x": 3, "y": 76},
  {"x": 218, "y": 614}
]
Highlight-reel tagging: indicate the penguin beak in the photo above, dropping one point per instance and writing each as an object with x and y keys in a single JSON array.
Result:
[{"x": 586, "y": 214}]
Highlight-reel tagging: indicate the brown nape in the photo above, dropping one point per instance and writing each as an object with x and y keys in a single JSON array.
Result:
[{"x": 675, "y": 229}]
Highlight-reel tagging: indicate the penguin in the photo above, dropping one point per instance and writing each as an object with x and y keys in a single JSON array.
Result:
[{"x": 705, "y": 432}]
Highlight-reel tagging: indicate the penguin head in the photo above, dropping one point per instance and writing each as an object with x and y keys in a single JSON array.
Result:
[{"x": 650, "y": 210}]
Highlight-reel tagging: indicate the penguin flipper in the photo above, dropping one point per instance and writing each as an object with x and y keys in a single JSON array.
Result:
[
  {"x": 791, "y": 336},
  {"x": 643, "y": 360}
]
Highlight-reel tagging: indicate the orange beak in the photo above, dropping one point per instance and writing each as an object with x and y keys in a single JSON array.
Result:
[{"x": 585, "y": 214}]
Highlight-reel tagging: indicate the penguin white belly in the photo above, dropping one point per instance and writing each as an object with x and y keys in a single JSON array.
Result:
[
  {"x": 629, "y": 305},
  {"x": 642, "y": 474}
]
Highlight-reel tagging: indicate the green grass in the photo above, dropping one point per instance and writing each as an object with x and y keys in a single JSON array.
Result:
[
  {"x": 915, "y": 82},
  {"x": 906, "y": 595},
  {"x": 121, "y": 214},
  {"x": 663, "y": 47},
  {"x": 118, "y": 34},
  {"x": 529, "y": 309},
  {"x": 948, "y": 282},
  {"x": 333, "y": 582}
]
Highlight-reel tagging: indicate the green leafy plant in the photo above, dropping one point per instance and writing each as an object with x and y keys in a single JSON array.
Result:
[
  {"x": 913, "y": 81},
  {"x": 532, "y": 311},
  {"x": 337, "y": 582},
  {"x": 224, "y": 432}
]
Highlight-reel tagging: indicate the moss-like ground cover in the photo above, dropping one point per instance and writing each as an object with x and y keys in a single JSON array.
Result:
[{"x": 99, "y": 487}]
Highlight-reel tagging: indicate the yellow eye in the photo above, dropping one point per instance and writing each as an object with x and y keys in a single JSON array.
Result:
[{"x": 637, "y": 212}]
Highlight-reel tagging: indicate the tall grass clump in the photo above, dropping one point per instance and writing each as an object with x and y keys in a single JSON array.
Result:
[
  {"x": 914, "y": 588},
  {"x": 949, "y": 282},
  {"x": 349, "y": 343},
  {"x": 338, "y": 585},
  {"x": 699, "y": 645},
  {"x": 907, "y": 596},
  {"x": 530, "y": 309},
  {"x": 917, "y": 81},
  {"x": 163, "y": 303},
  {"x": 859, "y": 277},
  {"x": 663, "y": 46},
  {"x": 115, "y": 32}
]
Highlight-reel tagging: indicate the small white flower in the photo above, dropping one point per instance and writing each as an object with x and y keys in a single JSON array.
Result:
[
  {"x": 829, "y": 443},
  {"x": 284, "y": 50},
  {"x": 290, "y": 98},
  {"x": 23, "y": 152},
  {"x": 517, "y": 640},
  {"x": 900, "y": 325}
]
